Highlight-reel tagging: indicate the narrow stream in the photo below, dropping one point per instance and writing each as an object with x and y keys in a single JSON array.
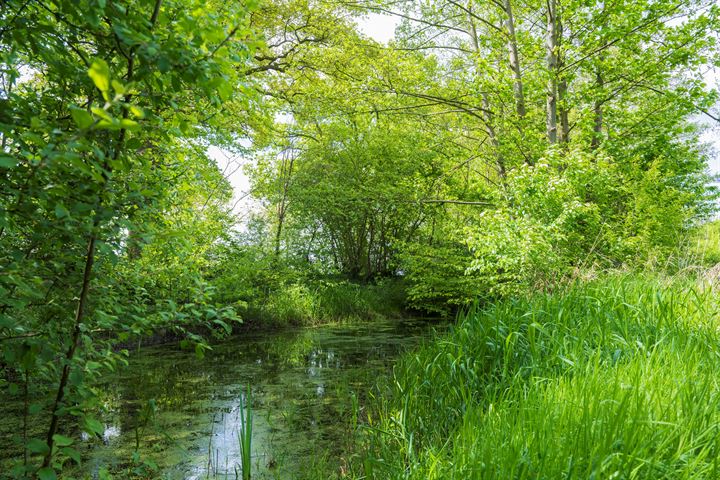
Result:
[{"x": 305, "y": 384}]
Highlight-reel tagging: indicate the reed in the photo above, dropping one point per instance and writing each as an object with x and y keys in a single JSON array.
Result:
[{"x": 245, "y": 435}]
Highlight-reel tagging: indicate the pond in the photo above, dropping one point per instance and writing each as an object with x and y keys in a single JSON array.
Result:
[{"x": 307, "y": 388}]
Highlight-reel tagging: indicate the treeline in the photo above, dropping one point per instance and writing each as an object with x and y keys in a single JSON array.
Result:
[{"x": 492, "y": 147}]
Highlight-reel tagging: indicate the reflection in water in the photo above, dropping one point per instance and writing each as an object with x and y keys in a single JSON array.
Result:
[{"x": 301, "y": 381}]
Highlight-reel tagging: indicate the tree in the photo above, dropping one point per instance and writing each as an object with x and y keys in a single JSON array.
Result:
[{"x": 96, "y": 96}]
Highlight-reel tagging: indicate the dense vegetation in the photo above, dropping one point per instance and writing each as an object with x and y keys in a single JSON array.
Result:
[
  {"x": 609, "y": 379},
  {"x": 487, "y": 160}
]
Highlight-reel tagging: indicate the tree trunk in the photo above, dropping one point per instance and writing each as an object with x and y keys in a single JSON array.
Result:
[
  {"x": 564, "y": 134},
  {"x": 563, "y": 108},
  {"x": 499, "y": 159},
  {"x": 286, "y": 170},
  {"x": 597, "y": 112},
  {"x": 514, "y": 60},
  {"x": 489, "y": 120},
  {"x": 551, "y": 57},
  {"x": 79, "y": 316}
]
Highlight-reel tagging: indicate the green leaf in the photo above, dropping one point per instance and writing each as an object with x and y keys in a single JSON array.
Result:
[
  {"x": 224, "y": 325},
  {"x": 6, "y": 321},
  {"x": 82, "y": 118},
  {"x": 6, "y": 161},
  {"x": 100, "y": 74},
  {"x": 103, "y": 474},
  {"x": 36, "y": 445},
  {"x": 62, "y": 441},
  {"x": 137, "y": 111},
  {"x": 128, "y": 124},
  {"x": 163, "y": 64},
  {"x": 92, "y": 365},
  {"x": 118, "y": 87},
  {"x": 102, "y": 114},
  {"x": 93, "y": 426},
  {"x": 71, "y": 453},
  {"x": 61, "y": 211},
  {"x": 46, "y": 473}
]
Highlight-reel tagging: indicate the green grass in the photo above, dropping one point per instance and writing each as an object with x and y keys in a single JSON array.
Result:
[
  {"x": 703, "y": 246},
  {"x": 323, "y": 302},
  {"x": 245, "y": 435},
  {"x": 618, "y": 378}
]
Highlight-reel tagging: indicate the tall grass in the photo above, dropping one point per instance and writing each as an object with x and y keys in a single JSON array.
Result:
[
  {"x": 701, "y": 249},
  {"x": 617, "y": 378},
  {"x": 245, "y": 435},
  {"x": 328, "y": 302}
]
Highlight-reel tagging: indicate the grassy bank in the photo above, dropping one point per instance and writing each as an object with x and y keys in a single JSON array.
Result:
[
  {"x": 616, "y": 378},
  {"x": 325, "y": 301}
]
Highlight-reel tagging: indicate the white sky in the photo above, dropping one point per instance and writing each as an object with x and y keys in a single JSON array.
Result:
[{"x": 379, "y": 27}]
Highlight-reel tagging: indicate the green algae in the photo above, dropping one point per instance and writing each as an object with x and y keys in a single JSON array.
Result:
[{"x": 303, "y": 383}]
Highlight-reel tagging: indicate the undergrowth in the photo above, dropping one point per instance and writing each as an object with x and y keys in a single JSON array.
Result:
[{"x": 326, "y": 301}]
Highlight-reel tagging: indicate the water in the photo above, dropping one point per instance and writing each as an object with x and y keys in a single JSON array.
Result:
[{"x": 304, "y": 384}]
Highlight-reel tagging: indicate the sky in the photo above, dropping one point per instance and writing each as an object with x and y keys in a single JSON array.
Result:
[{"x": 382, "y": 29}]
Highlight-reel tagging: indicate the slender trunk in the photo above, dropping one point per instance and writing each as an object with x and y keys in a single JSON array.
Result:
[
  {"x": 499, "y": 159},
  {"x": 563, "y": 108},
  {"x": 278, "y": 233},
  {"x": 597, "y": 112},
  {"x": 75, "y": 340},
  {"x": 551, "y": 57},
  {"x": 489, "y": 120},
  {"x": 564, "y": 134},
  {"x": 514, "y": 59},
  {"x": 286, "y": 172},
  {"x": 308, "y": 250},
  {"x": 371, "y": 241}
]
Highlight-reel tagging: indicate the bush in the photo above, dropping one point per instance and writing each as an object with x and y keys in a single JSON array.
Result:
[{"x": 569, "y": 211}]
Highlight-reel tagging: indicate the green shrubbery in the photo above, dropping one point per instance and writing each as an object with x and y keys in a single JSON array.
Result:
[
  {"x": 569, "y": 211},
  {"x": 272, "y": 291},
  {"x": 703, "y": 247}
]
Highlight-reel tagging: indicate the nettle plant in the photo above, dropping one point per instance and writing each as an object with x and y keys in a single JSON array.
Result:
[{"x": 90, "y": 92}]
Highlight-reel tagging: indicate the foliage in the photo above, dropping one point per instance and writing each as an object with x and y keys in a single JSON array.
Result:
[
  {"x": 101, "y": 109},
  {"x": 489, "y": 150},
  {"x": 476, "y": 161},
  {"x": 703, "y": 246}
]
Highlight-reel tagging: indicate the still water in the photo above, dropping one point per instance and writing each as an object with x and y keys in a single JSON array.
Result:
[{"x": 307, "y": 386}]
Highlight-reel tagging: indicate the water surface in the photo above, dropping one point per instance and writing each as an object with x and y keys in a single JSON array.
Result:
[{"x": 305, "y": 387}]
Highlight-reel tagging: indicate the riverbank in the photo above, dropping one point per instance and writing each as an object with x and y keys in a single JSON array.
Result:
[
  {"x": 322, "y": 302},
  {"x": 326, "y": 301},
  {"x": 611, "y": 378}
]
